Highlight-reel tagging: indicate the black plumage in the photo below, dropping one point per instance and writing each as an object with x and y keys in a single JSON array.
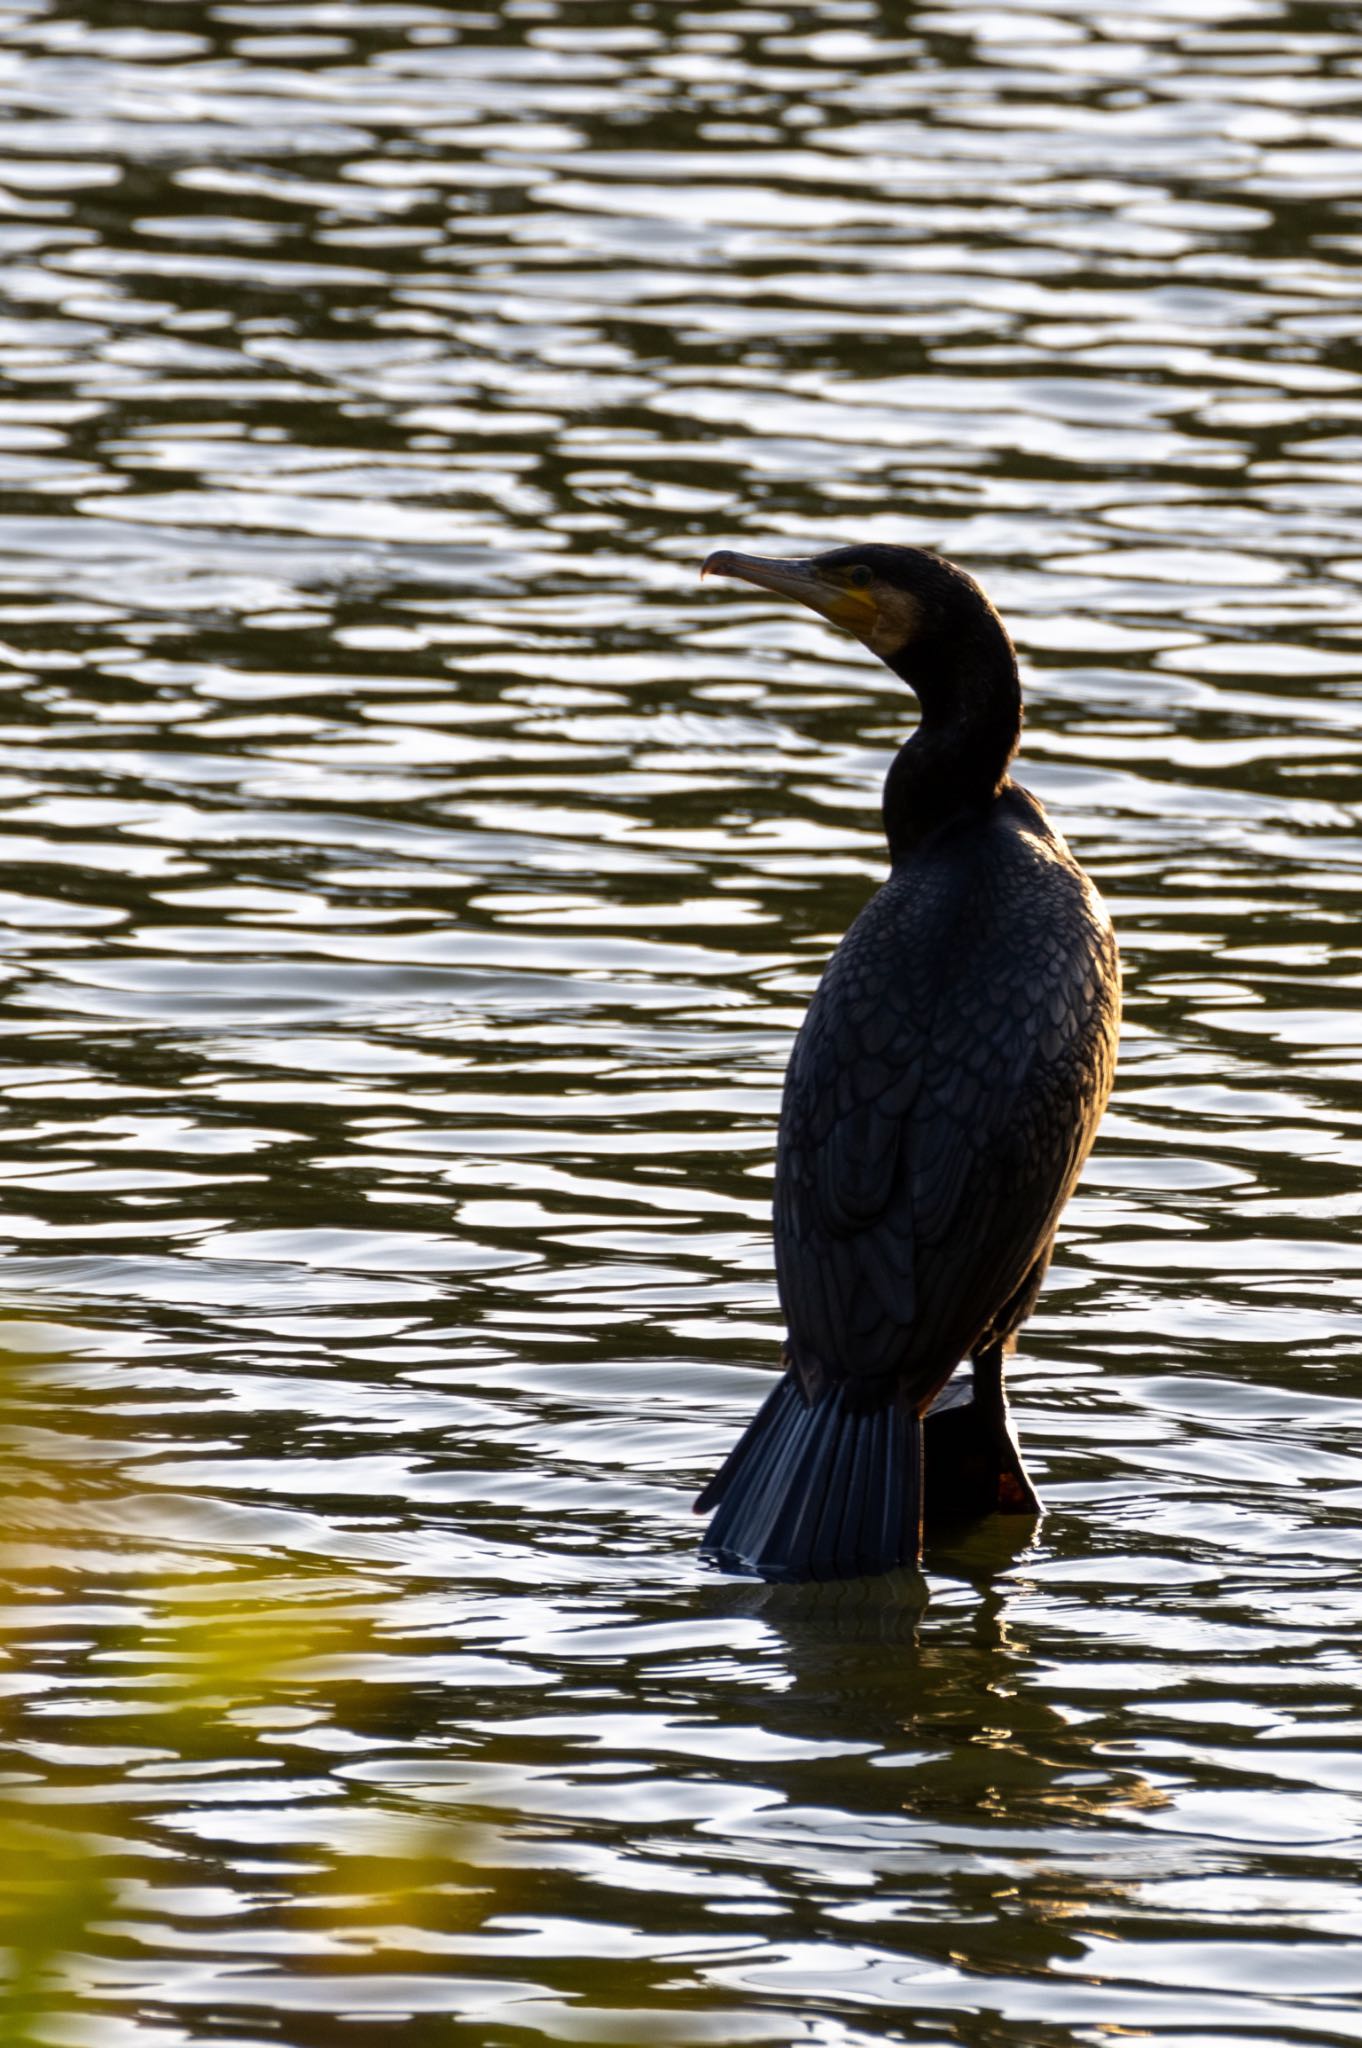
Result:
[{"x": 942, "y": 1095}]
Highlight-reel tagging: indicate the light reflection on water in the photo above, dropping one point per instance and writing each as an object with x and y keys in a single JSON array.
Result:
[{"x": 412, "y": 880}]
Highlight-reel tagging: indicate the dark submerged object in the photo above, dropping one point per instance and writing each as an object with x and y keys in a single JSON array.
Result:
[{"x": 942, "y": 1095}]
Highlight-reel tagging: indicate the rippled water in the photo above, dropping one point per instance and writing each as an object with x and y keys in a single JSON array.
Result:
[{"x": 412, "y": 879}]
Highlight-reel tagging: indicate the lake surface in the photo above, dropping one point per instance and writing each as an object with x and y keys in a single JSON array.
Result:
[{"x": 412, "y": 879}]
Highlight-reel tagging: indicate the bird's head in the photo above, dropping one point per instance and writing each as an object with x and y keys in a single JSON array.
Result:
[
  {"x": 932, "y": 625},
  {"x": 904, "y": 603}
]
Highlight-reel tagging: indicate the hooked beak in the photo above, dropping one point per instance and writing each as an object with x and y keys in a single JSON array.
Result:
[{"x": 804, "y": 581}]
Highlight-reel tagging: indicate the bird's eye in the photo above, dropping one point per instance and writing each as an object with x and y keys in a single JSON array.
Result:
[{"x": 860, "y": 576}]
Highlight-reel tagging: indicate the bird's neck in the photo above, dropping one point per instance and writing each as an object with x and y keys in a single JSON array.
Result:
[{"x": 956, "y": 760}]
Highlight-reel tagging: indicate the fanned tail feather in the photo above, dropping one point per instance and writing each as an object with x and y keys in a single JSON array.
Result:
[{"x": 814, "y": 1490}]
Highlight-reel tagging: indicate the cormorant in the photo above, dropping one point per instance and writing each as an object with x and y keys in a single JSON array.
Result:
[{"x": 943, "y": 1092}]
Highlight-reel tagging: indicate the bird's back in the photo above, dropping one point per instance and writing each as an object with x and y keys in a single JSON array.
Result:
[{"x": 941, "y": 1097}]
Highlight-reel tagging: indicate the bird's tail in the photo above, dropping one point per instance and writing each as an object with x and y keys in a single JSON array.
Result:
[{"x": 813, "y": 1490}]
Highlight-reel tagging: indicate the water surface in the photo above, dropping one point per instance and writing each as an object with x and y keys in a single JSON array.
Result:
[{"x": 412, "y": 879}]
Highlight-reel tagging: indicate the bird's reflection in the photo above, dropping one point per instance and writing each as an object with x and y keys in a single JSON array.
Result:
[{"x": 934, "y": 1685}]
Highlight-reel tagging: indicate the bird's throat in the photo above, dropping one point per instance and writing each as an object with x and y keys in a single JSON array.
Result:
[{"x": 957, "y": 759}]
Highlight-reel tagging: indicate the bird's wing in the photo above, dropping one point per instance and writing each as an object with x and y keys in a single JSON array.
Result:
[{"x": 940, "y": 1100}]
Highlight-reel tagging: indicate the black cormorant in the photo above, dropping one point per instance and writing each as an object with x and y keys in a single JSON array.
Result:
[{"x": 941, "y": 1097}]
